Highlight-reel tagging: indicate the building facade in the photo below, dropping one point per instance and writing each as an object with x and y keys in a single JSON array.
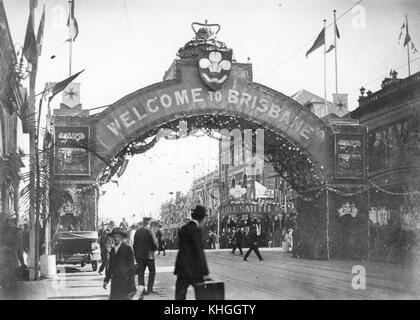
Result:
[
  {"x": 392, "y": 115},
  {"x": 12, "y": 102}
]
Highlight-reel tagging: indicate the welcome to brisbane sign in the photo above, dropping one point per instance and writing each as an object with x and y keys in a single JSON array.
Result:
[{"x": 185, "y": 94}]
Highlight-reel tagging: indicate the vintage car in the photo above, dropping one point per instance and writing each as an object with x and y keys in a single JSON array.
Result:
[{"x": 77, "y": 247}]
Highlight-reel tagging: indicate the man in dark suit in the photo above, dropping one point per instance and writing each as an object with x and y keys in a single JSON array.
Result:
[
  {"x": 191, "y": 265},
  {"x": 253, "y": 243},
  {"x": 237, "y": 241},
  {"x": 121, "y": 270},
  {"x": 105, "y": 242},
  {"x": 145, "y": 245}
]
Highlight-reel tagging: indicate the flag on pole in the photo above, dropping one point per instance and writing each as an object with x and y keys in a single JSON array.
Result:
[
  {"x": 319, "y": 42},
  {"x": 60, "y": 86},
  {"x": 330, "y": 48},
  {"x": 72, "y": 24},
  {"x": 401, "y": 32},
  {"x": 30, "y": 45},
  {"x": 337, "y": 33},
  {"x": 407, "y": 38},
  {"x": 40, "y": 34}
]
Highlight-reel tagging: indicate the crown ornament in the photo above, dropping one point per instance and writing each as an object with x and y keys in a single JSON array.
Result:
[{"x": 205, "y": 38}]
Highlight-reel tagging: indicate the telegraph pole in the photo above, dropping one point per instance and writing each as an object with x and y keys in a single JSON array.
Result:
[
  {"x": 33, "y": 242},
  {"x": 408, "y": 44},
  {"x": 325, "y": 70}
]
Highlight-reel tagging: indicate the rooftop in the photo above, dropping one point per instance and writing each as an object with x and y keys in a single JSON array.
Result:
[{"x": 391, "y": 88}]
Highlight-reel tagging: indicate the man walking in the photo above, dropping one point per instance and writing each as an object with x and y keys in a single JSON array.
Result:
[
  {"x": 191, "y": 265},
  {"x": 124, "y": 225},
  {"x": 237, "y": 241},
  {"x": 121, "y": 270},
  {"x": 161, "y": 240},
  {"x": 145, "y": 245},
  {"x": 253, "y": 243},
  {"x": 105, "y": 243}
]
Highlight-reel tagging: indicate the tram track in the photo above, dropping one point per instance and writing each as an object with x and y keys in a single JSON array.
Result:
[
  {"x": 393, "y": 284},
  {"x": 376, "y": 279},
  {"x": 298, "y": 283}
]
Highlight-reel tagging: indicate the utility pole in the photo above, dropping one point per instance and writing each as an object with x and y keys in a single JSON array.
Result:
[
  {"x": 408, "y": 44},
  {"x": 70, "y": 36},
  {"x": 335, "y": 53},
  {"x": 325, "y": 69},
  {"x": 220, "y": 193},
  {"x": 33, "y": 250}
]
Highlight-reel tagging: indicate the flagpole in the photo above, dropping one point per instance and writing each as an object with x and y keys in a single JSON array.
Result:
[
  {"x": 70, "y": 36},
  {"x": 408, "y": 44},
  {"x": 325, "y": 70},
  {"x": 335, "y": 46}
]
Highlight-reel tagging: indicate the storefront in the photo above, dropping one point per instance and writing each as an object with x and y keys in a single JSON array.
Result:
[{"x": 270, "y": 217}]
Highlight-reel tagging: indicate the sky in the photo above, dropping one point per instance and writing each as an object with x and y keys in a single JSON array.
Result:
[{"x": 126, "y": 45}]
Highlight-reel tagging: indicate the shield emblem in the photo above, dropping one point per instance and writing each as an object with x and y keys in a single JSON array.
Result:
[{"x": 214, "y": 67}]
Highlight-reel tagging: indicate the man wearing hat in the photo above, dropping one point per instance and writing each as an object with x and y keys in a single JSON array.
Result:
[
  {"x": 191, "y": 265},
  {"x": 145, "y": 245},
  {"x": 121, "y": 270},
  {"x": 105, "y": 243}
]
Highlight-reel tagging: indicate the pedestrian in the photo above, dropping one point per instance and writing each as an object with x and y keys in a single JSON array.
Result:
[
  {"x": 296, "y": 249},
  {"x": 253, "y": 243},
  {"x": 237, "y": 241},
  {"x": 145, "y": 245},
  {"x": 124, "y": 225},
  {"x": 161, "y": 240},
  {"x": 105, "y": 243},
  {"x": 191, "y": 265},
  {"x": 131, "y": 234},
  {"x": 121, "y": 270},
  {"x": 102, "y": 230},
  {"x": 211, "y": 240}
]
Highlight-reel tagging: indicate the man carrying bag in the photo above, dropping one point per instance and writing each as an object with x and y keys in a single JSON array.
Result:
[{"x": 191, "y": 265}]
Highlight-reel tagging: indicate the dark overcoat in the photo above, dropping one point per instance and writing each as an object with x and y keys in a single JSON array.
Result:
[
  {"x": 145, "y": 244},
  {"x": 191, "y": 260},
  {"x": 121, "y": 272}
]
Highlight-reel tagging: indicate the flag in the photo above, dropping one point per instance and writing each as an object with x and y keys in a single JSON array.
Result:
[
  {"x": 72, "y": 24},
  {"x": 401, "y": 32},
  {"x": 60, "y": 86},
  {"x": 330, "y": 48},
  {"x": 337, "y": 33},
  {"x": 30, "y": 45},
  {"x": 71, "y": 95},
  {"x": 34, "y": 4},
  {"x": 319, "y": 42},
  {"x": 407, "y": 37},
  {"x": 40, "y": 34},
  {"x": 413, "y": 47}
]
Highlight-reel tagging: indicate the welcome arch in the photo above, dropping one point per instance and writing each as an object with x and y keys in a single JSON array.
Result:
[{"x": 183, "y": 95}]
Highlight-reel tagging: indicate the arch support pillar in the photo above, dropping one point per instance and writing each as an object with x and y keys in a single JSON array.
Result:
[{"x": 333, "y": 218}]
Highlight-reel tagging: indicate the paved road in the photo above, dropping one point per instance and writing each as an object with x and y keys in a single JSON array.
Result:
[{"x": 279, "y": 276}]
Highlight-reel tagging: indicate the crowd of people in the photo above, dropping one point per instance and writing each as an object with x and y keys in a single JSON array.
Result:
[{"x": 129, "y": 251}]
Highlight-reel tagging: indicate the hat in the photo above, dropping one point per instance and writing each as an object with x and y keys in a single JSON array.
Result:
[
  {"x": 119, "y": 231},
  {"x": 199, "y": 211},
  {"x": 146, "y": 220}
]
